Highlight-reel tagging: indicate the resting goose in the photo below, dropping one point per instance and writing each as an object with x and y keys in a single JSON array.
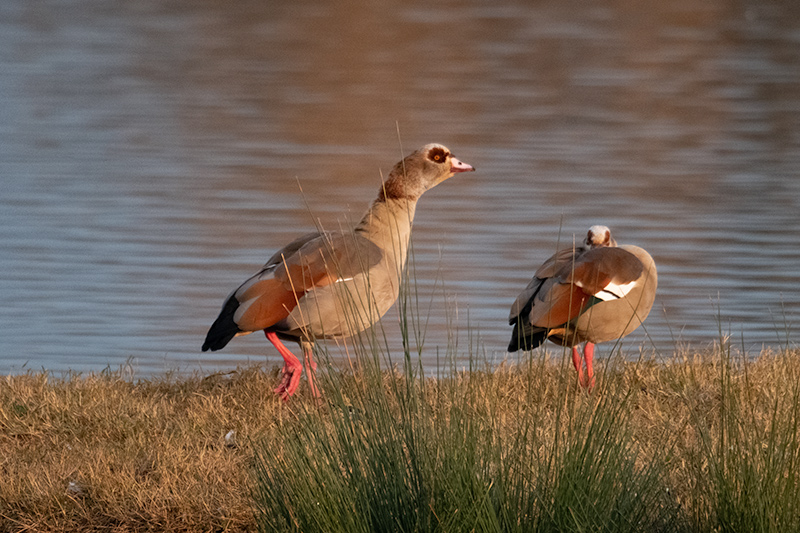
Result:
[
  {"x": 334, "y": 284},
  {"x": 592, "y": 293}
]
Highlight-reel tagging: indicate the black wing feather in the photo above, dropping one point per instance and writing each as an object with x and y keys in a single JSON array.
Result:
[{"x": 224, "y": 328}]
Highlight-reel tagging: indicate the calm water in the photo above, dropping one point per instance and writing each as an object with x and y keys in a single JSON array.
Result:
[{"x": 152, "y": 154}]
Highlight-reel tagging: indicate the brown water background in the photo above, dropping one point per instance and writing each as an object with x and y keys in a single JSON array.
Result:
[{"x": 151, "y": 154}]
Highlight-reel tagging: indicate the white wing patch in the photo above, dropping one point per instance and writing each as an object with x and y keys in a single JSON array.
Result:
[
  {"x": 249, "y": 283},
  {"x": 614, "y": 291}
]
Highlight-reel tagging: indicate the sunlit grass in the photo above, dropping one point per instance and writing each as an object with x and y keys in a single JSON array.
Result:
[{"x": 700, "y": 442}]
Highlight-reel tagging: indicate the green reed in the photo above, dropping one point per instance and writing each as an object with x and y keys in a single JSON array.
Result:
[
  {"x": 749, "y": 450},
  {"x": 396, "y": 451}
]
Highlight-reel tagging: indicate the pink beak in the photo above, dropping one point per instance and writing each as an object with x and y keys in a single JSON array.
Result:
[{"x": 458, "y": 166}]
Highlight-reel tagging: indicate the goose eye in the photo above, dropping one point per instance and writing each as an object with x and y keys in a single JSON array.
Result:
[{"x": 437, "y": 155}]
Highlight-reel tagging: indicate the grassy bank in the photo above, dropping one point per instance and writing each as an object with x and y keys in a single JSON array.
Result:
[{"x": 704, "y": 442}]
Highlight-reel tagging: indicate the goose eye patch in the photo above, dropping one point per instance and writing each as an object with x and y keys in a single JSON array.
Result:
[{"x": 437, "y": 155}]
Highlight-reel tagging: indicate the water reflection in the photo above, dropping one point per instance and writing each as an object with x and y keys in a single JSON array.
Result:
[{"x": 151, "y": 155}]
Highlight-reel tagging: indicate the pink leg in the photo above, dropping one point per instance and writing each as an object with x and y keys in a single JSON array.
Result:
[
  {"x": 292, "y": 368},
  {"x": 577, "y": 363},
  {"x": 588, "y": 355},
  {"x": 311, "y": 368}
]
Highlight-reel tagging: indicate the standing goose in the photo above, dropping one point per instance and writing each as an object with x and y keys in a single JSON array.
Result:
[
  {"x": 591, "y": 293},
  {"x": 334, "y": 284}
]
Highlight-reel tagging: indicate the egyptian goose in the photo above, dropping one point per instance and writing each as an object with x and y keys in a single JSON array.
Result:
[
  {"x": 334, "y": 284},
  {"x": 592, "y": 293}
]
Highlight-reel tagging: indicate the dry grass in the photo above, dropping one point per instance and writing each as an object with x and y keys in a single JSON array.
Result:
[{"x": 99, "y": 453}]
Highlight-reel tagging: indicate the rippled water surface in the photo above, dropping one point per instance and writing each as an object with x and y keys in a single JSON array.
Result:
[{"x": 152, "y": 155}]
